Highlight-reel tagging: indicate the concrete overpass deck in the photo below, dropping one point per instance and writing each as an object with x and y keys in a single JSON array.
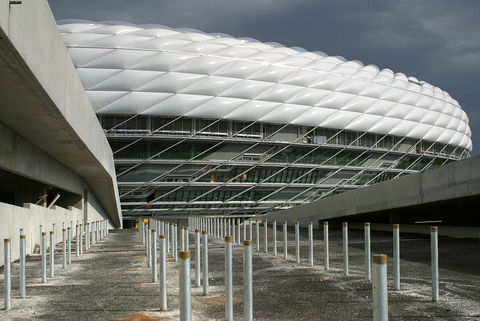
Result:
[{"x": 448, "y": 194}]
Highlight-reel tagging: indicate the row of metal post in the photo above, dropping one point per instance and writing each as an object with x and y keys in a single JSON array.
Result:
[
  {"x": 99, "y": 230},
  {"x": 222, "y": 227}
]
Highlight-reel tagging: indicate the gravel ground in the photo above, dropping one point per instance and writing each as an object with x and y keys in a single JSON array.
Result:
[{"x": 112, "y": 282}]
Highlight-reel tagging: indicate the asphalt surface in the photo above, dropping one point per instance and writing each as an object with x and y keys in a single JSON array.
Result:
[{"x": 112, "y": 282}]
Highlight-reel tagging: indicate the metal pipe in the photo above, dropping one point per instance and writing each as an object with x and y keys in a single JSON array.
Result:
[
  {"x": 257, "y": 229},
  {"x": 167, "y": 236},
  {"x": 368, "y": 265},
  {"x": 40, "y": 238},
  {"x": 285, "y": 236},
  {"x": 234, "y": 230},
  {"x": 154, "y": 256},
  {"x": 310, "y": 243},
  {"x": 379, "y": 288},
  {"x": 69, "y": 245},
  {"x": 149, "y": 246},
  {"x": 325, "y": 245},
  {"x": 396, "y": 256},
  {"x": 197, "y": 258},
  {"x": 185, "y": 287},
  {"x": 64, "y": 247},
  {"x": 77, "y": 242},
  {"x": 182, "y": 238},
  {"x": 87, "y": 236},
  {"x": 23, "y": 254},
  {"x": 81, "y": 238},
  {"x": 44, "y": 257},
  {"x": 434, "y": 261},
  {"x": 228, "y": 279},
  {"x": 52, "y": 255},
  {"x": 143, "y": 231},
  {"x": 92, "y": 234},
  {"x": 297, "y": 241},
  {"x": 247, "y": 281},
  {"x": 250, "y": 227},
  {"x": 238, "y": 231},
  {"x": 175, "y": 240},
  {"x": 274, "y": 230},
  {"x": 265, "y": 236},
  {"x": 7, "y": 246},
  {"x": 163, "y": 273},
  {"x": 187, "y": 239},
  {"x": 205, "y": 262},
  {"x": 345, "y": 248},
  {"x": 244, "y": 230}
]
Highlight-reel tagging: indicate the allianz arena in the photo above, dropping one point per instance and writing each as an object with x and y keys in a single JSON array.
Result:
[{"x": 210, "y": 124}]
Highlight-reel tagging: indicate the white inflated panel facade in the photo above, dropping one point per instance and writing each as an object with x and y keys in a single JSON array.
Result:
[
  {"x": 211, "y": 124},
  {"x": 156, "y": 70}
]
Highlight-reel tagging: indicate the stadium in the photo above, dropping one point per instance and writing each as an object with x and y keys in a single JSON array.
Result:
[{"x": 205, "y": 123}]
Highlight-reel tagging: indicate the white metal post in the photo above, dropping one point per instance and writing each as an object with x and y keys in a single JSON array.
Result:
[
  {"x": 247, "y": 281},
  {"x": 44, "y": 257},
  {"x": 434, "y": 261},
  {"x": 69, "y": 245},
  {"x": 297, "y": 242},
  {"x": 228, "y": 279},
  {"x": 52, "y": 255},
  {"x": 7, "y": 279},
  {"x": 77, "y": 241},
  {"x": 81, "y": 238},
  {"x": 197, "y": 258},
  {"x": 23, "y": 254},
  {"x": 175, "y": 240},
  {"x": 238, "y": 231},
  {"x": 64, "y": 247},
  {"x": 257, "y": 230},
  {"x": 205, "y": 262},
  {"x": 185, "y": 287},
  {"x": 396, "y": 256},
  {"x": 154, "y": 256},
  {"x": 234, "y": 230},
  {"x": 250, "y": 227},
  {"x": 274, "y": 232},
  {"x": 182, "y": 238},
  {"x": 368, "y": 265},
  {"x": 379, "y": 288},
  {"x": 345, "y": 248},
  {"x": 244, "y": 230},
  {"x": 265, "y": 236},
  {"x": 187, "y": 238},
  {"x": 163, "y": 273},
  {"x": 285, "y": 236},
  {"x": 310, "y": 243},
  {"x": 149, "y": 246},
  {"x": 325, "y": 245}
]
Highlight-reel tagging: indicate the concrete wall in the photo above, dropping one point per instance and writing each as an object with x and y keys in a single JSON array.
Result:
[
  {"x": 31, "y": 216},
  {"x": 43, "y": 100}
]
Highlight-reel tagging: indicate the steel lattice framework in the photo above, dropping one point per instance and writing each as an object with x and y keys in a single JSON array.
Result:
[{"x": 209, "y": 124}]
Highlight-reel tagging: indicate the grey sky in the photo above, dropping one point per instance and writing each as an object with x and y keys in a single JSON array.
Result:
[{"x": 434, "y": 40}]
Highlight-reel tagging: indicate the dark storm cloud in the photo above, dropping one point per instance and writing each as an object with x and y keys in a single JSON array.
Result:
[{"x": 434, "y": 40}]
